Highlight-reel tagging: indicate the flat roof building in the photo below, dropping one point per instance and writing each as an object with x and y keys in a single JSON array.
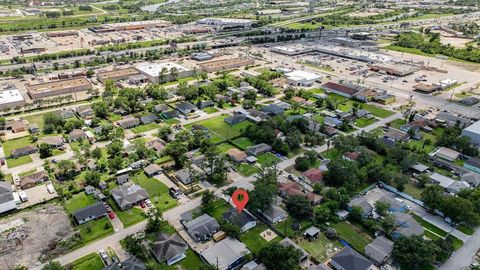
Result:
[
  {"x": 56, "y": 88},
  {"x": 153, "y": 70},
  {"x": 11, "y": 98},
  {"x": 395, "y": 69},
  {"x": 473, "y": 132},
  {"x": 117, "y": 74},
  {"x": 302, "y": 78},
  {"x": 225, "y": 64},
  {"x": 223, "y": 23}
]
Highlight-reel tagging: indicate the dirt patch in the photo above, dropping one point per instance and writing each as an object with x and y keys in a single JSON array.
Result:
[{"x": 33, "y": 235}]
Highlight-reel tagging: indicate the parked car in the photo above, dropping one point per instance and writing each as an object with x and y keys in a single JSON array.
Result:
[
  {"x": 148, "y": 202},
  {"x": 103, "y": 254},
  {"x": 111, "y": 215},
  {"x": 142, "y": 204},
  {"x": 174, "y": 192}
]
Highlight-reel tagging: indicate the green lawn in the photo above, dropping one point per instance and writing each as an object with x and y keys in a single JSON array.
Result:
[
  {"x": 427, "y": 225},
  {"x": 246, "y": 169},
  {"x": 285, "y": 227},
  {"x": 79, "y": 201},
  {"x": 14, "y": 162},
  {"x": 466, "y": 230},
  {"x": 192, "y": 261},
  {"x": 353, "y": 235},
  {"x": 94, "y": 230},
  {"x": 145, "y": 128},
  {"x": 414, "y": 191},
  {"x": 363, "y": 122},
  {"x": 157, "y": 191},
  {"x": 220, "y": 207},
  {"x": 91, "y": 261},
  {"x": 397, "y": 123},
  {"x": 210, "y": 110},
  {"x": 321, "y": 248},
  {"x": 267, "y": 159},
  {"x": 219, "y": 127},
  {"x": 8, "y": 146},
  {"x": 377, "y": 111},
  {"x": 253, "y": 240},
  {"x": 130, "y": 216},
  {"x": 36, "y": 119},
  {"x": 224, "y": 147},
  {"x": 243, "y": 143}
]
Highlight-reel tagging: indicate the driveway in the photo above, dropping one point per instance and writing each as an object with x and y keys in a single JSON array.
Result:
[{"x": 463, "y": 257}]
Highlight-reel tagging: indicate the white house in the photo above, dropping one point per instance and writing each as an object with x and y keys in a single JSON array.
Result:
[{"x": 302, "y": 78}]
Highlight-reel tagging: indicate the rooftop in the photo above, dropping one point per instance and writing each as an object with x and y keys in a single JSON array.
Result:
[
  {"x": 154, "y": 69},
  {"x": 11, "y": 95},
  {"x": 58, "y": 85}
]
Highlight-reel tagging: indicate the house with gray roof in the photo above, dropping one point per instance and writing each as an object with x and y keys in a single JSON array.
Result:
[
  {"x": 202, "y": 228},
  {"x": 187, "y": 178},
  {"x": 91, "y": 212},
  {"x": 226, "y": 254},
  {"x": 185, "y": 107},
  {"x": 85, "y": 111},
  {"x": 53, "y": 141},
  {"x": 274, "y": 214},
  {"x": 379, "y": 250},
  {"x": 235, "y": 119},
  {"x": 76, "y": 135},
  {"x": 273, "y": 109},
  {"x": 128, "y": 194},
  {"x": 132, "y": 263},
  {"x": 168, "y": 248},
  {"x": 122, "y": 179},
  {"x": 458, "y": 186},
  {"x": 152, "y": 169},
  {"x": 23, "y": 151},
  {"x": 128, "y": 122},
  {"x": 258, "y": 149},
  {"x": 205, "y": 104},
  {"x": 406, "y": 225},
  {"x": 349, "y": 259},
  {"x": 244, "y": 220},
  {"x": 169, "y": 114},
  {"x": 147, "y": 119},
  {"x": 7, "y": 201},
  {"x": 161, "y": 108},
  {"x": 361, "y": 202},
  {"x": 472, "y": 178},
  {"x": 286, "y": 242}
]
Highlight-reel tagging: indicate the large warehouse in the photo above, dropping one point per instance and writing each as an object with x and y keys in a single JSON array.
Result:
[
  {"x": 57, "y": 88},
  {"x": 225, "y": 64},
  {"x": 117, "y": 74},
  {"x": 153, "y": 70},
  {"x": 11, "y": 98}
]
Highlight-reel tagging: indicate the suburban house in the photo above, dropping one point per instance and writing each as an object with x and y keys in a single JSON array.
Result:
[
  {"x": 273, "y": 109},
  {"x": 274, "y": 214},
  {"x": 7, "y": 201},
  {"x": 186, "y": 177},
  {"x": 152, "y": 170},
  {"x": 205, "y": 104},
  {"x": 472, "y": 164},
  {"x": 258, "y": 149},
  {"x": 76, "y": 135},
  {"x": 379, "y": 250},
  {"x": 128, "y": 194},
  {"x": 156, "y": 144},
  {"x": 361, "y": 202},
  {"x": 286, "y": 242},
  {"x": 169, "y": 248},
  {"x": 236, "y": 155},
  {"x": 244, "y": 220},
  {"x": 339, "y": 89},
  {"x": 445, "y": 154},
  {"x": 226, "y": 254},
  {"x": 349, "y": 259},
  {"x": 53, "y": 141},
  {"x": 406, "y": 225},
  {"x": 33, "y": 179},
  {"x": 33, "y": 128},
  {"x": 201, "y": 228},
  {"x": 185, "y": 107},
  {"x": 313, "y": 176},
  {"x": 23, "y": 151},
  {"x": 132, "y": 263},
  {"x": 16, "y": 126},
  {"x": 169, "y": 114},
  {"x": 128, "y": 122},
  {"x": 122, "y": 179},
  {"x": 472, "y": 178},
  {"x": 396, "y": 135},
  {"x": 67, "y": 113},
  {"x": 286, "y": 189},
  {"x": 90, "y": 212},
  {"x": 85, "y": 111},
  {"x": 235, "y": 119},
  {"x": 148, "y": 119}
]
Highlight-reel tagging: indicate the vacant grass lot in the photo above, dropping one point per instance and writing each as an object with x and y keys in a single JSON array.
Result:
[
  {"x": 224, "y": 147},
  {"x": 91, "y": 261},
  {"x": 145, "y": 128},
  {"x": 246, "y": 169},
  {"x": 353, "y": 235},
  {"x": 94, "y": 230},
  {"x": 79, "y": 201},
  {"x": 253, "y": 240},
  {"x": 363, "y": 122},
  {"x": 210, "y": 110},
  {"x": 267, "y": 159},
  {"x": 157, "y": 191},
  {"x": 36, "y": 119},
  {"x": 220, "y": 128},
  {"x": 397, "y": 123},
  {"x": 243, "y": 143}
]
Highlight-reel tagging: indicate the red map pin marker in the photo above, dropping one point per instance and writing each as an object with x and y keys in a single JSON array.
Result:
[{"x": 240, "y": 199}]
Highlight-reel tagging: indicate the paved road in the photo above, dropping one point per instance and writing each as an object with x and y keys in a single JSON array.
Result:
[{"x": 462, "y": 258}]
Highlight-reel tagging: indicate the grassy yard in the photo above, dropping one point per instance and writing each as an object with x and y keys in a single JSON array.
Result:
[
  {"x": 192, "y": 261},
  {"x": 79, "y": 201},
  {"x": 363, "y": 122},
  {"x": 94, "y": 230},
  {"x": 427, "y": 225},
  {"x": 14, "y": 162},
  {"x": 224, "y": 147},
  {"x": 8, "y": 146},
  {"x": 243, "y": 143},
  {"x": 157, "y": 191},
  {"x": 320, "y": 249},
  {"x": 377, "y": 111},
  {"x": 91, "y": 261},
  {"x": 267, "y": 159},
  {"x": 210, "y": 110},
  {"x": 414, "y": 191},
  {"x": 145, "y": 128},
  {"x": 397, "y": 123},
  {"x": 36, "y": 119},
  {"x": 220, "y": 207},
  {"x": 253, "y": 240},
  {"x": 222, "y": 129},
  {"x": 285, "y": 227},
  {"x": 353, "y": 235},
  {"x": 130, "y": 216},
  {"x": 246, "y": 169}
]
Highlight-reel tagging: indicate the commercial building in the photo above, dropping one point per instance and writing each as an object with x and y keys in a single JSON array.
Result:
[
  {"x": 56, "y": 88},
  {"x": 128, "y": 26},
  {"x": 153, "y": 71},
  {"x": 11, "y": 98},
  {"x": 302, "y": 78},
  {"x": 473, "y": 132},
  {"x": 426, "y": 88},
  {"x": 117, "y": 74},
  {"x": 347, "y": 42},
  {"x": 394, "y": 69},
  {"x": 201, "y": 56},
  {"x": 32, "y": 49},
  {"x": 225, "y": 64},
  {"x": 226, "y": 23}
]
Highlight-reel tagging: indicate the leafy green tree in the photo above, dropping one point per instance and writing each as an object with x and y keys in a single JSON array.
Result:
[
  {"x": 413, "y": 252},
  {"x": 176, "y": 149},
  {"x": 382, "y": 207},
  {"x": 356, "y": 213},
  {"x": 230, "y": 229},
  {"x": 208, "y": 198},
  {"x": 45, "y": 150},
  {"x": 322, "y": 214},
  {"x": 299, "y": 207},
  {"x": 100, "y": 109},
  {"x": 276, "y": 256},
  {"x": 154, "y": 222},
  {"x": 343, "y": 173}
]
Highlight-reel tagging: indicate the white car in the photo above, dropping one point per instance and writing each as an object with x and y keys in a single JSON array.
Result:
[{"x": 148, "y": 202}]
